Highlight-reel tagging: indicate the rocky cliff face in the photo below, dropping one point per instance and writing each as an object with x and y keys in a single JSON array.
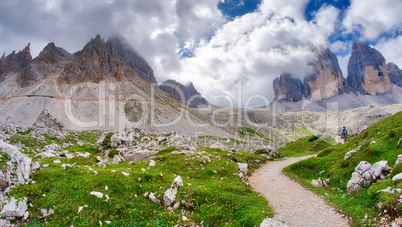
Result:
[
  {"x": 186, "y": 94},
  {"x": 326, "y": 80},
  {"x": 367, "y": 74},
  {"x": 15, "y": 62},
  {"x": 367, "y": 71},
  {"x": 287, "y": 88},
  {"x": 395, "y": 74},
  {"x": 112, "y": 60},
  {"x": 51, "y": 60}
]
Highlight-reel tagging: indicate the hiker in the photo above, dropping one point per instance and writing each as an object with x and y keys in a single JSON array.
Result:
[{"x": 344, "y": 134}]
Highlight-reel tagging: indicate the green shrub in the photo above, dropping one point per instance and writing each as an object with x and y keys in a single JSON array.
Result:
[
  {"x": 112, "y": 153},
  {"x": 261, "y": 151},
  {"x": 313, "y": 138},
  {"x": 167, "y": 150}
]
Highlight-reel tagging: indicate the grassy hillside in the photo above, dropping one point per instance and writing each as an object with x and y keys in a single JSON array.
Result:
[
  {"x": 306, "y": 145},
  {"x": 367, "y": 206},
  {"x": 210, "y": 176}
]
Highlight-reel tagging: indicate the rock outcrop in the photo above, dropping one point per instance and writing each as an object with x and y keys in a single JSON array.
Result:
[
  {"x": 14, "y": 208},
  {"x": 350, "y": 153},
  {"x": 288, "y": 89},
  {"x": 365, "y": 174},
  {"x": 170, "y": 195},
  {"x": 50, "y": 61},
  {"x": 186, "y": 94},
  {"x": 367, "y": 70},
  {"x": 15, "y": 62},
  {"x": 326, "y": 80},
  {"x": 320, "y": 182},
  {"x": 113, "y": 60},
  {"x": 395, "y": 74},
  {"x": 45, "y": 120},
  {"x": 20, "y": 164}
]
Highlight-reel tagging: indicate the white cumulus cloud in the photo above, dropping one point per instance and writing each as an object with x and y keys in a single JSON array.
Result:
[{"x": 372, "y": 17}]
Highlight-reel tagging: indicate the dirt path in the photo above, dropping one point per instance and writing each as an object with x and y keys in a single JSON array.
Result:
[{"x": 293, "y": 204}]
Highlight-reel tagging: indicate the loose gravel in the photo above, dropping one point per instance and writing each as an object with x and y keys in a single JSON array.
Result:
[{"x": 293, "y": 204}]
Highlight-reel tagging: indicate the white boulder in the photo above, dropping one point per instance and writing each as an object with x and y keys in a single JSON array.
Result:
[
  {"x": 123, "y": 138},
  {"x": 243, "y": 168},
  {"x": 399, "y": 160},
  {"x": 362, "y": 167},
  {"x": 269, "y": 222},
  {"x": 350, "y": 153},
  {"x": 170, "y": 194},
  {"x": 378, "y": 169},
  {"x": 365, "y": 174},
  {"x": 320, "y": 182},
  {"x": 153, "y": 198},
  {"x": 14, "y": 209},
  {"x": 177, "y": 182},
  {"x": 23, "y": 161},
  {"x": 151, "y": 163},
  {"x": 102, "y": 162},
  {"x": 97, "y": 194},
  {"x": 35, "y": 166},
  {"x": 136, "y": 156},
  {"x": 397, "y": 177},
  {"x": 46, "y": 212},
  {"x": 53, "y": 148},
  {"x": 66, "y": 166},
  {"x": 116, "y": 159}
]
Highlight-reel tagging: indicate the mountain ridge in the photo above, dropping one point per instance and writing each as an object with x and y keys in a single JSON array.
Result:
[
  {"x": 368, "y": 74},
  {"x": 186, "y": 94},
  {"x": 107, "y": 85}
]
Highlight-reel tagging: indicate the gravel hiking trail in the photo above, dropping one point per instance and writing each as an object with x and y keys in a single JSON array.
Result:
[{"x": 293, "y": 204}]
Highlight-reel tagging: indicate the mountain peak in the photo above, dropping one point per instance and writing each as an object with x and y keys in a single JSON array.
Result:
[
  {"x": 53, "y": 54},
  {"x": 287, "y": 88},
  {"x": 15, "y": 62},
  {"x": 367, "y": 70},
  {"x": 395, "y": 74},
  {"x": 186, "y": 94},
  {"x": 121, "y": 49},
  {"x": 326, "y": 80},
  {"x": 98, "y": 39},
  {"x": 114, "y": 59}
]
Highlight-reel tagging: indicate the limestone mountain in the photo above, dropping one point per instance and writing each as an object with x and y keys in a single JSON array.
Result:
[
  {"x": 395, "y": 74},
  {"x": 186, "y": 94},
  {"x": 369, "y": 82},
  {"x": 111, "y": 60},
  {"x": 106, "y": 85},
  {"x": 326, "y": 80},
  {"x": 288, "y": 89},
  {"x": 51, "y": 60},
  {"x": 367, "y": 70},
  {"x": 15, "y": 62}
]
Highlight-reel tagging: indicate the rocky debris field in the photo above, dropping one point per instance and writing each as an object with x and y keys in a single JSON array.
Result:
[{"x": 53, "y": 177}]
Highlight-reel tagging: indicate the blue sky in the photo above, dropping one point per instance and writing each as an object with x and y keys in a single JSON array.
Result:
[
  {"x": 235, "y": 8},
  {"x": 223, "y": 46}
]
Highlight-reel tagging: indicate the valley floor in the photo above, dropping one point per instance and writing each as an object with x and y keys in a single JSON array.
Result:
[{"x": 293, "y": 204}]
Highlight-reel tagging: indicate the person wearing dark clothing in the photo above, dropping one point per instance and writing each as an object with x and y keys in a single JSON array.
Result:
[{"x": 344, "y": 134}]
